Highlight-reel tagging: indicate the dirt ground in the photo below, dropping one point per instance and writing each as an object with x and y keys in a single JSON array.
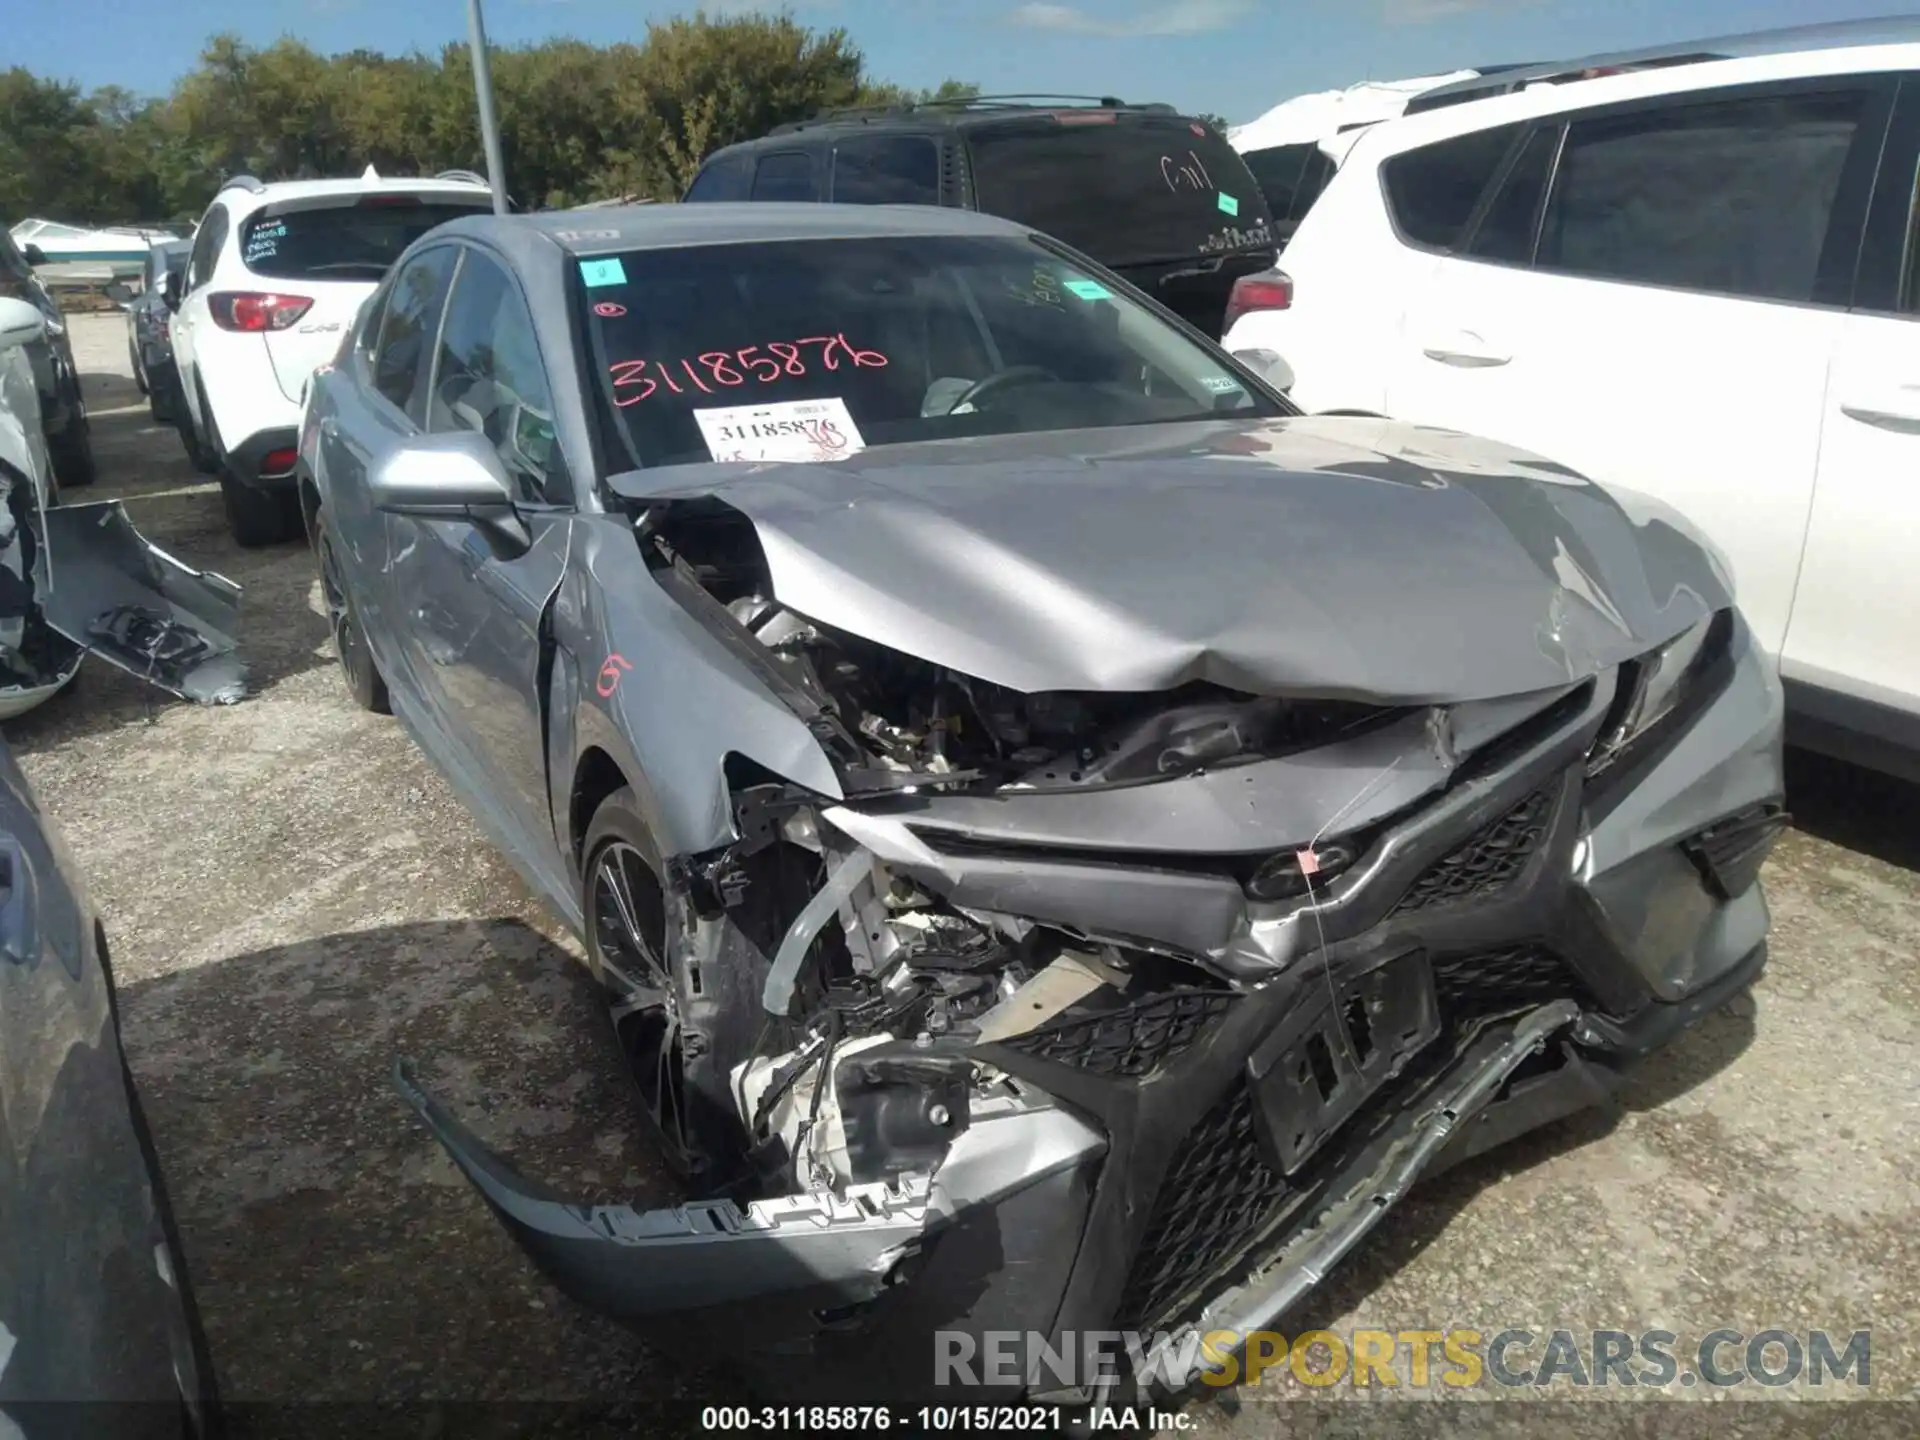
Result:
[{"x": 294, "y": 898}]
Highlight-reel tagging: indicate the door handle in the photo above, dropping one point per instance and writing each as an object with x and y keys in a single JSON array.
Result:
[
  {"x": 1897, "y": 407},
  {"x": 1465, "y": 349}
]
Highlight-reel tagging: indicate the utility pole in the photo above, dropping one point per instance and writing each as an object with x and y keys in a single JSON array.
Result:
[{"x": 483, "y": 92}]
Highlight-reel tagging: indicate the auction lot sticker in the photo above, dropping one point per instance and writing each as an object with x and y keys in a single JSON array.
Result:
[{"x": 794, "y": 430}]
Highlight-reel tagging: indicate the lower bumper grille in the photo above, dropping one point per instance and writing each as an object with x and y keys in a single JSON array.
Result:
[
  {"x": 1222, "y": 1193},
  {"x": 1217, "y": 1196}
]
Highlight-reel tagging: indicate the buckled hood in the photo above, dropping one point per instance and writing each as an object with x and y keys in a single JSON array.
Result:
[{"x": 1328, "y": 556}]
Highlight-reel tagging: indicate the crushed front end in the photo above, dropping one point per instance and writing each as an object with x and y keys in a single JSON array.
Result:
[{"x": 1083, "y": 1012}]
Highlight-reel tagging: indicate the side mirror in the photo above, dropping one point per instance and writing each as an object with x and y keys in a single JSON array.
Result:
[
  {"x": 33, "y": 254},
  {"x": 120, "y": 293},
  {"x": 1269, "y": 365},
  {"x": 20, "y": 324},
  {"x": 455, "y": 475}
]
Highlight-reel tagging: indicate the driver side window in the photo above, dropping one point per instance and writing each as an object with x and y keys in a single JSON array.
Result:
[{"x": 489, "y": 377}]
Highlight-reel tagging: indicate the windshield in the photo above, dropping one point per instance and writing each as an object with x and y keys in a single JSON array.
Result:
[
  {"x": 1135, "y": 190},
  {"x": 814, "y": 349},
  {"x": 356, "y": 241}
]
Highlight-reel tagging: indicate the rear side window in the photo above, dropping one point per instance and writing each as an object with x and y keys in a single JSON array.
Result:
[
  {"x": 1507, "y": 228},
  {"x": 355, "y": 241},
  {"x": 726, "y": 177},
  {"x": 1432, "y": 190},
  {"x": 886, "y": 170},
  {"x": 1731, "y": 197},
  {"x": 785, "y": 175},
  {"x": 1291, "y": 178},
  {"x": 207, "y": 242},
  {"x": 1127, "y": 189},
  {"x": 407, "y": 326}
]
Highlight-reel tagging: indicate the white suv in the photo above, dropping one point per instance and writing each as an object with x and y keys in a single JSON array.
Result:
[
  {"x": 276, "y": 275},
  {"x": 1699, "y": 280}
]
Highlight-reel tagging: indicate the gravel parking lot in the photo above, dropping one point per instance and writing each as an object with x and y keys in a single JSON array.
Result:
[{"x": 294, "y": 898}]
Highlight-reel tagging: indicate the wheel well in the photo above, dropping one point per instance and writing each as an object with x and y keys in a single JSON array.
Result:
[
  {"x": 595, "y": 777},
  {"x": 1362, "y": 414}
]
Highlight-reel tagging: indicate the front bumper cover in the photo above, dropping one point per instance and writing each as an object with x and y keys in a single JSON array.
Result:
[{"x": 1555, "y": 937}]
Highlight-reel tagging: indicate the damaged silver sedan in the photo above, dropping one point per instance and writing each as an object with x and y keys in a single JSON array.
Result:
[{"x": 1068, "y": 840}]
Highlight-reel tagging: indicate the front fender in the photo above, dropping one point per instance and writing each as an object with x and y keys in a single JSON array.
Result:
[{"x": 664, "y": 698}]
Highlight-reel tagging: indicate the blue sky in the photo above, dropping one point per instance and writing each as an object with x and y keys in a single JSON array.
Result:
[{"x": 1231, "y": 57}]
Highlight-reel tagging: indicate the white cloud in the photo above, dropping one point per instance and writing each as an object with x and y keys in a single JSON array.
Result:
[{"x": 1169, "y": 17}]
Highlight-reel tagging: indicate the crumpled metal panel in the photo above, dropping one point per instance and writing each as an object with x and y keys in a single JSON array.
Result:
[
  {"x": 112, "y": 590},
  {"x": 1320, "y": 556}
]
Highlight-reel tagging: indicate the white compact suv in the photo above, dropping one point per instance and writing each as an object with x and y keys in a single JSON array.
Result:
[
  {"x": 1700, "y": 280},
  {"x": 276, "y": 275}
]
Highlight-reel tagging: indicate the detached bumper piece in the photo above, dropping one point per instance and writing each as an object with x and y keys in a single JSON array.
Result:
[
  {"x": 129, "y": 602},
  {"x": 1729, "y": 855}
]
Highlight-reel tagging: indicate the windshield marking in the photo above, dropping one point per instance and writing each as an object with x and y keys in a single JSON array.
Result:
[
  {"x": 806, "y": 431},
  {"x": 734, "y": 367},
  {"x": 1185, "y": 174}
]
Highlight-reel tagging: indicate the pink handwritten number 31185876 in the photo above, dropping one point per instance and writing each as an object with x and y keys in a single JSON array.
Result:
[{"x": 724, "y": 369}]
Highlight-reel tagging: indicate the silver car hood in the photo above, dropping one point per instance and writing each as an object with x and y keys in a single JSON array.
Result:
[{"x": 1339, "y": 557}]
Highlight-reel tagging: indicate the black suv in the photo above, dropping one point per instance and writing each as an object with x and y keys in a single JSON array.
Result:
[{"x": 1157, "y": 197}]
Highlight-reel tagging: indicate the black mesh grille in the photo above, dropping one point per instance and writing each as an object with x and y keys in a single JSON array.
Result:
[
  {"x": 1487, "y": 863},
  {"x": 1494, "y": 982},
  {"x": 1217, "y": 1196},
  {"x": 1131, "y": 1041},
  {"x": 1221, "y": 1192}
]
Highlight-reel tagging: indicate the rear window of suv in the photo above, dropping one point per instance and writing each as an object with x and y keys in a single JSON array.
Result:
[
  {"x": 357, "y": 240},
  {"x": 1127, "y": 189}
]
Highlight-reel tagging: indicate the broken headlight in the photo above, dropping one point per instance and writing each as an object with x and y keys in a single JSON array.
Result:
[{"x": 1653, "y": 687}]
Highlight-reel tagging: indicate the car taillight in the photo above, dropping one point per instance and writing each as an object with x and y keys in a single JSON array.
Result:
[
  {"x": 276, "y": 463},
  {"x": 255, "y": 312},
  {"x": 1269, "y": 290}
]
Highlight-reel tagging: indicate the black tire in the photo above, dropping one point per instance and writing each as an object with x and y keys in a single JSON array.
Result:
[
  {"x": 357, "y": 667},
  {"x": 203, "y": 454},
  {"x": 649, "y": 1036},
  {"x": 160, "y": 405},
  {"x": 72, "y": 454},
  {"x": 259, "y": 517},
  {"x": 139, "y": 370}
]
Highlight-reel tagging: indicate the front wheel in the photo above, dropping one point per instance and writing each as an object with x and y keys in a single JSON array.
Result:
[
  {"x": 626, "y": 921},
  {"x": 363, "y": 679}
]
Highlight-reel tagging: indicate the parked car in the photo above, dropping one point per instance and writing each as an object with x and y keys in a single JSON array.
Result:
[
  {"x": 1098, "y": 831},
  {"x": 1155, "y": 196},
  {"x": 1697, "y": 280},
  {"x": 81, "y": 578},
  {"x": 1293, "y": 149},
  {"x": 63, "y": 408},
  {"x": 149, "y": 345},
  {"x": 273, "y": 279},
  {"x": 96, "y": 1304}
]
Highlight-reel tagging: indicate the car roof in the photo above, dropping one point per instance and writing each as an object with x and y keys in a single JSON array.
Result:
[
  {"x": 666, "y": 227},
  {"x": 1792, "y": 39},
  {"x": 244, "y": 192}
]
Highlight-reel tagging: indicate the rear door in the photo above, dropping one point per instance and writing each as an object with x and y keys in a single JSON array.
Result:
[
  {"x": 1160, "y": 198},
  {"x": 886, "y": 170},
  {"x": 378, "y": 401},
  {"x": 1852, "y": 631},
  {"x": 330, "y": 252},
  {"x": 208, "y": 241},
  {"x": 1663, "y": 322}
]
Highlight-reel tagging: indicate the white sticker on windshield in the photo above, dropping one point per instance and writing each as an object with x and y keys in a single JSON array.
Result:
[
  {"x": 1220, "y": 384},
  {"x": 793, "y": 430}
]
